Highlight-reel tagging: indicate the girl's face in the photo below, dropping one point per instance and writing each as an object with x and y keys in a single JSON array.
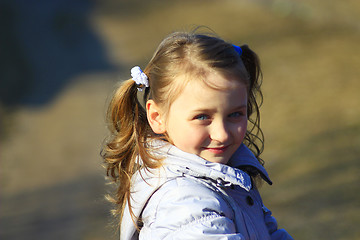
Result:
[{"x": 210, "y": 123}]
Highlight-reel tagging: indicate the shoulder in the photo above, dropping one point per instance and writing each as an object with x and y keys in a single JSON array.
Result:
[{"x": 184, "y": 203}]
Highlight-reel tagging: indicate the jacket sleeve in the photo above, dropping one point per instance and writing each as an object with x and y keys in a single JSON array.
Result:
[
  {"x": 184, "y": 211},
  {"x": 272, "y": 226}
]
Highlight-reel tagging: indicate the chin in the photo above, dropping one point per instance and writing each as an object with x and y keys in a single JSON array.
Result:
[{"x": 221, "y": 160}]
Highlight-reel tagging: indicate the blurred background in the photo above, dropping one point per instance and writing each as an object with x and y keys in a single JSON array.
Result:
[{"x": 60, "y": 61}]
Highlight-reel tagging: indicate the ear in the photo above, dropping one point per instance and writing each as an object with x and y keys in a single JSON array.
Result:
[{"x": 155, "y": 117}]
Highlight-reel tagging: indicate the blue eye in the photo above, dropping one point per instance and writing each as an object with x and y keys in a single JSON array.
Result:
[
  {"x": 202, "y": 117},
  {"x": 236, "y": 114}
]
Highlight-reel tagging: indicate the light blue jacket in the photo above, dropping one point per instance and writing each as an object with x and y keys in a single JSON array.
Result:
[{"x": 191, "y": 198}]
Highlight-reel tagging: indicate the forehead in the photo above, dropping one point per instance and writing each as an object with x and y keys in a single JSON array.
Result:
[{"x": 213, "y": 89}]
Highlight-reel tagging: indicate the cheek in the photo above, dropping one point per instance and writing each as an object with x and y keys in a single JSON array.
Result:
[
  {"x": 198, "y": 136},
  {"x": 192, "y": 139},
  {"x": 241, "y": 130}
]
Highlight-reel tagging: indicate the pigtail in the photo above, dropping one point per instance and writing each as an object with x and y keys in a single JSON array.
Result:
[
  {"x": 254, "y": 138},
  {"x": 130, "y": 130}
]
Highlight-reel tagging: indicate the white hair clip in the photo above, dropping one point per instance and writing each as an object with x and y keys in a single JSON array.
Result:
[{"x": 139, "y": 77}]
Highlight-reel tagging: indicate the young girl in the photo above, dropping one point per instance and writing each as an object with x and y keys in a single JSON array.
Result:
[{"x": 186, "y": 144}]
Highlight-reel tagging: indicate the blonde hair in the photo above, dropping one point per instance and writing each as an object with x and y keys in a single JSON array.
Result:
[{"x": 180, "y": 53}]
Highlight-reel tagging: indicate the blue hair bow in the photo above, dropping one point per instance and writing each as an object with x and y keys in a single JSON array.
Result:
[{"x": 237, "y": 49}]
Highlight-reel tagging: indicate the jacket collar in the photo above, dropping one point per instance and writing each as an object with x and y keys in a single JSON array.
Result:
[
  {"x": 244, "y": 157},
  {"x": 180, "y": 162}
]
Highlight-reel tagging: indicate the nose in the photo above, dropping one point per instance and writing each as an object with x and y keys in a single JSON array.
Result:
[{"x": 220, "y": 132}]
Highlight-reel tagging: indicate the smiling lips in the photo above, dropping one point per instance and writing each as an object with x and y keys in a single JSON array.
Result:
[{"x": 217, "y": 150}]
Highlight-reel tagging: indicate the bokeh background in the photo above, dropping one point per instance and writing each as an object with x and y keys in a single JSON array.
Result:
[{"x": 60, "y": 61}]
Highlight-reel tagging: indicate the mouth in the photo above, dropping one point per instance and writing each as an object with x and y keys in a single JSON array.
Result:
[{"x": 216, "y": 150}]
